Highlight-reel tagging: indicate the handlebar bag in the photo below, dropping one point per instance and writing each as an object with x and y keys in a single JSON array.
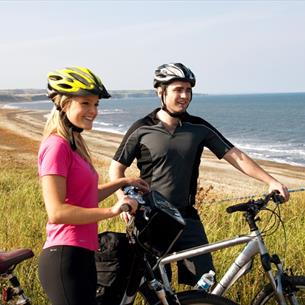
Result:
[
  {"x": 112, "y": 261},
  {"x": 158, "y": 225}
]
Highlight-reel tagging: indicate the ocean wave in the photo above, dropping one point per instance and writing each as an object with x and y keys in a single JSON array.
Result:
[
  {"x": 112, "y": 130},
  {"x": 111, "y": 111},
  {"x": 255, "y": 148},
  {"x": 283, "y": 160},
  {"x": 31, "y": 103},
  {"x": 9, "y": 107},
  {"x": 103, "y": 123}
]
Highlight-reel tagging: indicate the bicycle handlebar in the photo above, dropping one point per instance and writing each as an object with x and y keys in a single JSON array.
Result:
[
  {"x": 250, "y": 206},
  {"x": 256, "y": 205}
]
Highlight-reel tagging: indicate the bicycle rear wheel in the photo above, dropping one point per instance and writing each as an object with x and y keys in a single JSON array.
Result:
[
  {"x": 195, "y": 297},
  {"x": 292, "y": 283}
]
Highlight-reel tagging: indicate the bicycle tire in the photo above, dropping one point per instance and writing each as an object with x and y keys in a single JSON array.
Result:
[
  {"x": 266, "y": 295},
  {"x": 195, "y": 297}
]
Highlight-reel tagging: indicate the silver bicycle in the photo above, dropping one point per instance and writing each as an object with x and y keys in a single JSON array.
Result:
[
  {"x": 140, "y": 247},
  {"x": 283, "y": 288}
]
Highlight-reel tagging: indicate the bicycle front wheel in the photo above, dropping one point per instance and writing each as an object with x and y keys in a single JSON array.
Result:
[
  {"x": 295, "y": 284},
  {"x": 195, "y": 297}
]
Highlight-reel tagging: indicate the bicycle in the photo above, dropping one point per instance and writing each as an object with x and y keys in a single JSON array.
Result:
[
  {"x": 283, "y": 288},
  {"x": 145, "y": 246},
  {"x": 12, "y": 292}
]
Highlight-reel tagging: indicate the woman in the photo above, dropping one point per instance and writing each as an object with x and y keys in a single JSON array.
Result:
[{"x": 70, "y": 189}]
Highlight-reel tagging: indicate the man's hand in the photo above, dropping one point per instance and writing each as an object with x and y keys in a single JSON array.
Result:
[
  {"x": 282, "y": 189},
  {"x": 137, "y": 182}
]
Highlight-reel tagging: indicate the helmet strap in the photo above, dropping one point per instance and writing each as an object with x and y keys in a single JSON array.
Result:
[
  {"x": 72, "y": 140},
  {"x": 68, "y": 123},
  {"x": 176, "y": 115},
  {"x": 71, "y": 128}
]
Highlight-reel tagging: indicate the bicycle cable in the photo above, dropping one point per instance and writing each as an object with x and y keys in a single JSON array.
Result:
[
  {"x": 277, "y": 222},
  {"x": 268, "y": 229}
]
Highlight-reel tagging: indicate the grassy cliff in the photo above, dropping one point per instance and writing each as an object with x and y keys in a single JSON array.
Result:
[{"x": 23, "y": 221}]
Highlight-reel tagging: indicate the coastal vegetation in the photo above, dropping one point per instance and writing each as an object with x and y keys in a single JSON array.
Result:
[
  {"x": 23, "y": 220},
  {"x": 22, "y": 95}
]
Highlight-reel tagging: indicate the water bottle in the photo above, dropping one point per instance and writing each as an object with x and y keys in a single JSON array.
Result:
[{"x": 206, "y": 281}]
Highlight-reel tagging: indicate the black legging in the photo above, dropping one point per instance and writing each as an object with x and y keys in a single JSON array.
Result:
[{"x": 68, "y": 275}]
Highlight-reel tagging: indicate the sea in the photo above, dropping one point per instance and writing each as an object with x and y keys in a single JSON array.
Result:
[{"x": 267, "y": 126}]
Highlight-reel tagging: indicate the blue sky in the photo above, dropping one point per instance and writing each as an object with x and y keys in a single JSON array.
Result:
[{"x": 231, "y": 46}]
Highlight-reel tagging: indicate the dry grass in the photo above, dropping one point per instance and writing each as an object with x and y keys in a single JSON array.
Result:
[{"x": 23, "y": 220}]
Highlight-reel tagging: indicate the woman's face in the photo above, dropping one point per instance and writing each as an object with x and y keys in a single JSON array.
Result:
[{"x": 82, "y": 110}]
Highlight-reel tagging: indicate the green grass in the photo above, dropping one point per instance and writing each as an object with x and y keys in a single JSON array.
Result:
[
  {"x": 23, "y": 221},
  {"x": 220, "y": 225}
]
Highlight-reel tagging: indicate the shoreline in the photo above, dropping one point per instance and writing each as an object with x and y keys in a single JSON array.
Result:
[{"x": 21, "y": 132}]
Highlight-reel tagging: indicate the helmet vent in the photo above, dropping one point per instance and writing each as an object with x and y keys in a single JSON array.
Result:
[
  {"x": 79, "y": 78},
  {"x": 55, "y": 77},
  {"x": 65, "y": 86}
]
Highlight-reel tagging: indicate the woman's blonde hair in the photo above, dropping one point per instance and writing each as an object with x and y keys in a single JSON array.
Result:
[{"x": 56, "y": 125}]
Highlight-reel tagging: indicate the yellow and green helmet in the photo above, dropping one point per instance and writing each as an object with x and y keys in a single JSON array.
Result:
[{"x": 79, "y": 81}]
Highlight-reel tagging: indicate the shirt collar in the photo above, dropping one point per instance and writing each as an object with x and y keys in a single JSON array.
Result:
[{"x": 154, "y": 118}]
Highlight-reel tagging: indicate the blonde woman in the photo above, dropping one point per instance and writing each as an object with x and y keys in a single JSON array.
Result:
[{"x": 70, "y": 189}]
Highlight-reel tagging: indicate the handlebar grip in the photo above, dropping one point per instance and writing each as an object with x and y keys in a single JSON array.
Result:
[
  {"x": 125, "y": 207},
  {"x": 277, "y": 198},
  {"x": 256, "y": 205},
  {"x": 242, "y": 207}
]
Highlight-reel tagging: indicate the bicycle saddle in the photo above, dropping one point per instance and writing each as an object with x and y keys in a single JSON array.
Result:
[{"x": 14, "y": 257}]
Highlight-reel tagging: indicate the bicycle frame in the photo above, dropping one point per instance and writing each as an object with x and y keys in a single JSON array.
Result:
[
  {"x": 243, "y": 262},
  {"x": 13, "y": 290},
  {"x": 146, "y": 250}
]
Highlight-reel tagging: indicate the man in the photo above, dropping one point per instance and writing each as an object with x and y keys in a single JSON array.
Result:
[{"x": 168, "y": 144}]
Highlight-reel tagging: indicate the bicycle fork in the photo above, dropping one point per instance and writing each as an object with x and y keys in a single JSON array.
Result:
[
  {"x": 281, "y": 284},
  {"x": 159, "y": 288}
]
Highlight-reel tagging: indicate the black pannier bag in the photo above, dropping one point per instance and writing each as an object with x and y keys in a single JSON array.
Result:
[
  {"x": 112, "y": 266},
  {"x": 159, "y": 228}
]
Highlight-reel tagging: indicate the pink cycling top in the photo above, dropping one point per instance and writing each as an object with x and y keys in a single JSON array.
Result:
[{"x": 56, "y": 157}]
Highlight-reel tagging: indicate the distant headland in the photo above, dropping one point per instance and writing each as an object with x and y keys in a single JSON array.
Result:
[{"x": 27, "y": 95}]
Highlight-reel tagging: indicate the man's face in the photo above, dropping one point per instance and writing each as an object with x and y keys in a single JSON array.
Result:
[{"x": 177, "y": 96}]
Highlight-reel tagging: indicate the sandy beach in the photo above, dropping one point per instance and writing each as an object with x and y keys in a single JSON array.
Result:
[{"x": 20, "y": 135}]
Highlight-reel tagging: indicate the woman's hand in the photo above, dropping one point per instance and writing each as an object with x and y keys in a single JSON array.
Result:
[{"x": 117, "y": 208}]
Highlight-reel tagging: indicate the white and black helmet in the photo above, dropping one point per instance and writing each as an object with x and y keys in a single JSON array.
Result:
[{"x": 169, "y": 73}]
